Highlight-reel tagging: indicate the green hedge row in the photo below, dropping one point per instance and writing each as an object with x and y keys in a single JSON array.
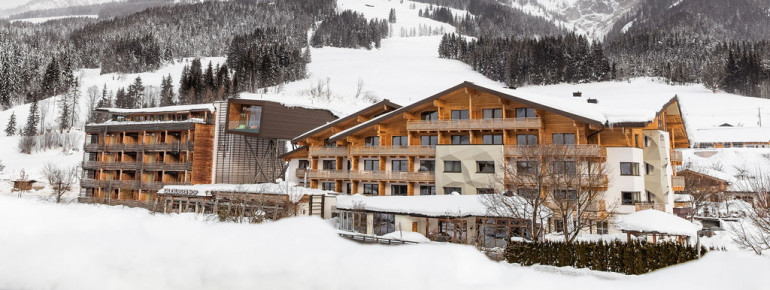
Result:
[{"x": 633, "y": 258}]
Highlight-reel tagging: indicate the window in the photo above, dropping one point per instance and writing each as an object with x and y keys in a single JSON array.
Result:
[
  {"x": 526, "y": 167},
  {"x": 485, "y": 166},
  {"x": 399, "y": 189},
  {"x": 384, "y": 223},
  {"x": 650, "y": 196},
  {"x": 427, "y": 190},
  {"x": 558, "y": 226},
  {"x": 496, "y": 139},
  {"x": 565, "y": 167},
  {"x": 484, "y": 191},
  {"x": 563, "y": 139},
  {"x": 629, "y": 168},
  {"x": 450, "y": 190},
  {"x": 452, "y": 166},
  {"x": 429, "y": 116},
  {"x": 459, "y": 114},
  {"x": 492, "y": 113},
  {"x": 429, "y": 140},
  {"x": 526, "y": 139},
  {"x": 400, "y": 165},
  {"x": 602, "y": 227},
  {"x": 522, "y": 113},
  {"x": 353, "y": 221},
  {"x": 400, "y": 141},
  {"x": 372, "y": 165},
  {"x": 329, "y": 186},
  {"x": 564, "y": 194},
  {"x": 371, "y": 188},
  {"x": 348, "y": 188},
  {"x": 250, "y": 118},
  {"x": 648, "y": 169},
  {"x": 647, "y": 141},
  {"x": 630, "y": 197},
  {"x": 329, "y": 164},
  {"x": 461, "y": 139},
  {"x": 427, "y": 165},
  {"x": 304, "y": 164},
  {"x": 373, "y": 141}
]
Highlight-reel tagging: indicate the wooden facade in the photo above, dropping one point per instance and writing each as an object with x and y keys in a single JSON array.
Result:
[{"x": 139, "y": 151}]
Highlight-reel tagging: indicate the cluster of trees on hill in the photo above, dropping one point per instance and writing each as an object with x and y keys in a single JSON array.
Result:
[
  {"x": 198, "y": 86},
  {"x": 351, "y": 29},
  {"x": 548, "y": 60},
  {"x": 134, "y": 54},
  {"x": 266, "y": 57}
]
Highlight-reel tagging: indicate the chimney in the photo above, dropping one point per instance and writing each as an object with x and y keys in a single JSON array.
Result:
[
  {"x": 593, "y": 101},
  {"x": 577, "y": 94}
]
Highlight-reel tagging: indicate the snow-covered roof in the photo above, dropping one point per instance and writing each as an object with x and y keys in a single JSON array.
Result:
[
  {"x": 117, "y": 123},
  {"x": 682, "y": 197},
  {"x": 734, "y": 165},
  {"x": 281, "y": 188},
  {"x": 384, "y": 102},
  {"x": 167, "y": 109},
  {"x": 655, "y": 221},
  {"x": 424, "y": 205},
  {"x": 732, "y": 134},
  {"x": 368, "y": 123}
]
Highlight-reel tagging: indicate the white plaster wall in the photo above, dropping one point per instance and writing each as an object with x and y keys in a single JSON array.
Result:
[
  {"x": 619, "y": 183},
  {"x": 291, "y": 171},
  {"x": 469, "y": 180},
  {"x": 658, "y": 155}
]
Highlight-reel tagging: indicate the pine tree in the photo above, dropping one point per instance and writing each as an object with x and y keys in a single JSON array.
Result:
[
  {"x": 392, "y": 15},
  {"x": 123, "y": 100},
  {"x": 166, "y": 92},
  {"x": 136, "y": 93},
  {"x": 32, "y": 120},
  {"x": 10, "y": 130},
  {"x": 64, "y": 117},
  {"x": 51, "y": 78}
]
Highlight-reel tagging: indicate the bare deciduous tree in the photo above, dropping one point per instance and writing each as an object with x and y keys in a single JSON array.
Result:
[
  {"x": 754, "y": 231},
  {"x": 61, "y": 179}
]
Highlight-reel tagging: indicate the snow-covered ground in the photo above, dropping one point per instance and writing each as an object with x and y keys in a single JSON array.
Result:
[
  {"x": 76, "y": 246},
  {"x": 46, "y": 19}
]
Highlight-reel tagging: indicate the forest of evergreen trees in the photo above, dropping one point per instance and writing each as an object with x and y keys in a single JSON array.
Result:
[{"x": 358, "y": 31}]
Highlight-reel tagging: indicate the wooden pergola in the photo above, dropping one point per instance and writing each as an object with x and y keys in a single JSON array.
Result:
[{"x": 657, "y": 224}]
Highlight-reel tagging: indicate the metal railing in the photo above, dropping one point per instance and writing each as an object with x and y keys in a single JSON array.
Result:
[
  {"x": 406, "y": 176},
  {"x": 329, "y": 151},
  {"x": 474, "y": 124},
  {"x": 394, "y": 150},
  {"x": 577, "y": 150},
  {"x": 647, "y": 205}
]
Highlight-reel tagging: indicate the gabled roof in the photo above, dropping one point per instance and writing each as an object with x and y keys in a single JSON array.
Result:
[{"x": 385, "y": 103}]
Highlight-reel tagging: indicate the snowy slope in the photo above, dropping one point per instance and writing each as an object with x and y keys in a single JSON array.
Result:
[
  {"x": 21, "y": 6},
  {"x": 83, "y": 247}
]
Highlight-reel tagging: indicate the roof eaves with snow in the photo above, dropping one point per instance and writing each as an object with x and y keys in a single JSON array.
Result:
[
  {"x": 385, "y": 102},
  {"x": 156, "y": 110}
]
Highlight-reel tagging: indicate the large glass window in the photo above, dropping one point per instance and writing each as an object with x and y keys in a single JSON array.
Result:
[
  {"x": 400, "y": 141},
  {"x": 526, "y": 139},
  {"x": 372, "y": 165},
  {"x": 529, "y": 167},
  {"x": 629, "y": 168},
  {"x": 371, "y": 188},
  {"x": 461, "y": 139},
  {"x": 429, "y": 116},
  {"x": 563, "y": 139},
  {"x": 427, "y": 165},
  {"x": 485, "y": 166},
  {"x": 399, "y": 189},
  {"x": 459, "y": 114},
  {"x": 250, "y": 118},
  {"x": 400, "y": 165},
  {"x": 522, "y": 113},
  {"x": 495, "y": 139},
  {"x": 630, "y": 197},
  {"x": 429, "y": 140},
  {"x": 328, "y": 186},
  {"x": 452, "y": 166},
  {"x": 353, "y": 221},
  {"x": 565, "y": 167},
  {"x": 384, "y": 223},
  {"x": 427, "y": 190},
  {"x": 329, "y": 164},
  {"x": 372, "y": 141},
  {"x": 492, "y": 113}
]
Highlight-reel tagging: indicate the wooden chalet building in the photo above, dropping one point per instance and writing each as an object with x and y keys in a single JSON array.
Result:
[
  {"x": 459, "y": 139},
  {"x": 138, "y": 151}
]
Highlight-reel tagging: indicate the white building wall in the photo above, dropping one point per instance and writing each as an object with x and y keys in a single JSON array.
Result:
[
  {"x": 619, "y": 183},
  {"x": 658, "y": 181},
  {"x": 291, "y": 171},
  {"x": 469, "y": 180}
]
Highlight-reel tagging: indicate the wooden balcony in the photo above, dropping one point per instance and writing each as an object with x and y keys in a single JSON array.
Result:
[
  {"x": 107, "y": 165},
  {"x": 648, "y": 205},
  {"x": 583, "y": 180},
  {"x": 473, "y": 124},
  {"x": 394, "y": 151},
  {"x": 578, "y": 150},
  {"x": 170, "y": 146},
  {"x": 676, "y": 158},
  {"x": 338, "y": 151},
  {"x": 404, "y": 176},
  {"x": 125, "y": 184},
  {"x": 677, "y": 183}
]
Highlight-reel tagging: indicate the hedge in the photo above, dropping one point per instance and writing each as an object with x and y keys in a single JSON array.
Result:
[{"x": 633, "y": 258}]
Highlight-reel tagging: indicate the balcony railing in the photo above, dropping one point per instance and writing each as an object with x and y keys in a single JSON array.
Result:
[
  {"x": 106, "y": 165},
  {"x": 646, "y": 205},
  {"x": 301, "y": 173},
  {"x": 678, "y": 183},
  {"x": 170, "y": 146},
  {"x": 474, "y": 124},
  {"x": 126, "y": 184},
  {"x": 405, "y": 176},
  {"x": 394, "y": 150},
  {"x": 329, "y": 151},
  {"x": 577, "y": 150},
  {"x": 676, "y": 158}
]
